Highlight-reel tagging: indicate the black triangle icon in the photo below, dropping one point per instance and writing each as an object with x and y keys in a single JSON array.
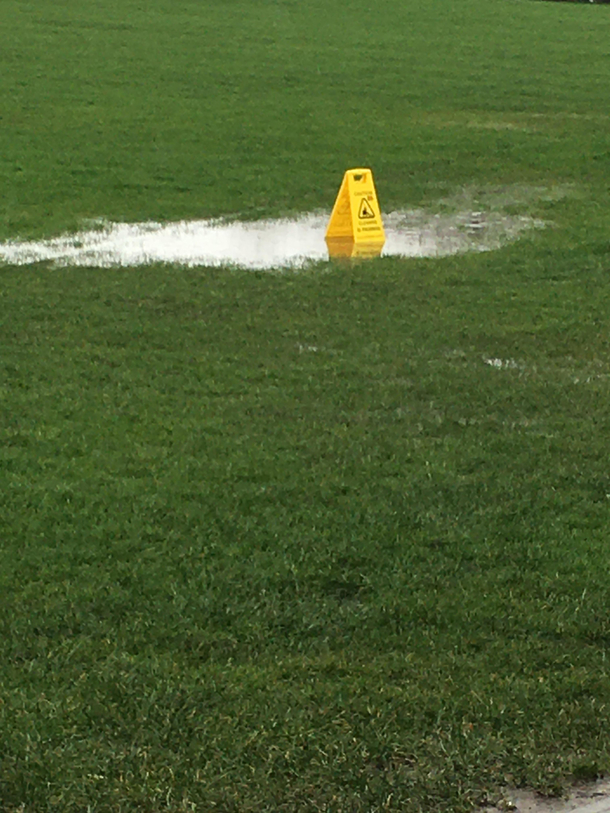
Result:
[{"x": 366, "y": 210}]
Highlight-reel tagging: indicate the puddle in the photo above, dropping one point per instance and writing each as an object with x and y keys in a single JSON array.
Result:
[
  {"x": 593, "y": 798},
  {"x": 502, "y": 364},
  {"x": 264, "y": 244}
]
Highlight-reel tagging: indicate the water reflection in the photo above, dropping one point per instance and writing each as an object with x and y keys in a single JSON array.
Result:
[{"x": 346, "y": 248}]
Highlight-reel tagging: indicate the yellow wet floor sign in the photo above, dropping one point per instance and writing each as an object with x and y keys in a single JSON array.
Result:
[{"x": 356, "y": 216}]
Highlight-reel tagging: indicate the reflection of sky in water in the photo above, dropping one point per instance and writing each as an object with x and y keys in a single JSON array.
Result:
[{"x": 264, "y": 243}]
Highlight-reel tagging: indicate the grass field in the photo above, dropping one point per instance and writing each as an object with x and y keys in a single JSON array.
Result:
[{"x": 328, "y": 541}]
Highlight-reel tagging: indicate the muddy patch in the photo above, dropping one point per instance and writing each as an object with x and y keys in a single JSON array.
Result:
[
  {"x": 265, "y": 244},
  {"x": 593, "y": 798}
]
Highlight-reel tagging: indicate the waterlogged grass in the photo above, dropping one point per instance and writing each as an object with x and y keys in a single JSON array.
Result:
[
  {"x": 334, "y": 540},
  {"x": 296, "y": 542}
]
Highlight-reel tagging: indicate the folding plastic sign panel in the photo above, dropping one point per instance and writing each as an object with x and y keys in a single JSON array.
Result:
[{"x": 356, "y": 213}]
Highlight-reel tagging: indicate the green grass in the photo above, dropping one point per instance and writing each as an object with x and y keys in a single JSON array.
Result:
[{"x": 284, "y": 542}]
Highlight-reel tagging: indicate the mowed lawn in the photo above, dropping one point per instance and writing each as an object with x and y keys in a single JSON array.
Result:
[{"x": 334, "y": 540}]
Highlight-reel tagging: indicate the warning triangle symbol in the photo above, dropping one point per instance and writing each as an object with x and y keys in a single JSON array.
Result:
[{"x": 366, "y": 210}]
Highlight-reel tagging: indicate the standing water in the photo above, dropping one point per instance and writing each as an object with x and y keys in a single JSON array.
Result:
[{"x": 263, "y": 244}]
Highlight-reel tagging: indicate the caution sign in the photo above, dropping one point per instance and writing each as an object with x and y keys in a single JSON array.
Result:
[{"x": 356, "y": 213}]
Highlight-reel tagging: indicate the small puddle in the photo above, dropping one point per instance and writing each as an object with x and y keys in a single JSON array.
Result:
[
  {"x": 263, "y": 244},
  {"x": 590, "y": 798}
]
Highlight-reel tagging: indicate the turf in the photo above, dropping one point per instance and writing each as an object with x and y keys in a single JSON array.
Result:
[{"x": 334, "y": 540}]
